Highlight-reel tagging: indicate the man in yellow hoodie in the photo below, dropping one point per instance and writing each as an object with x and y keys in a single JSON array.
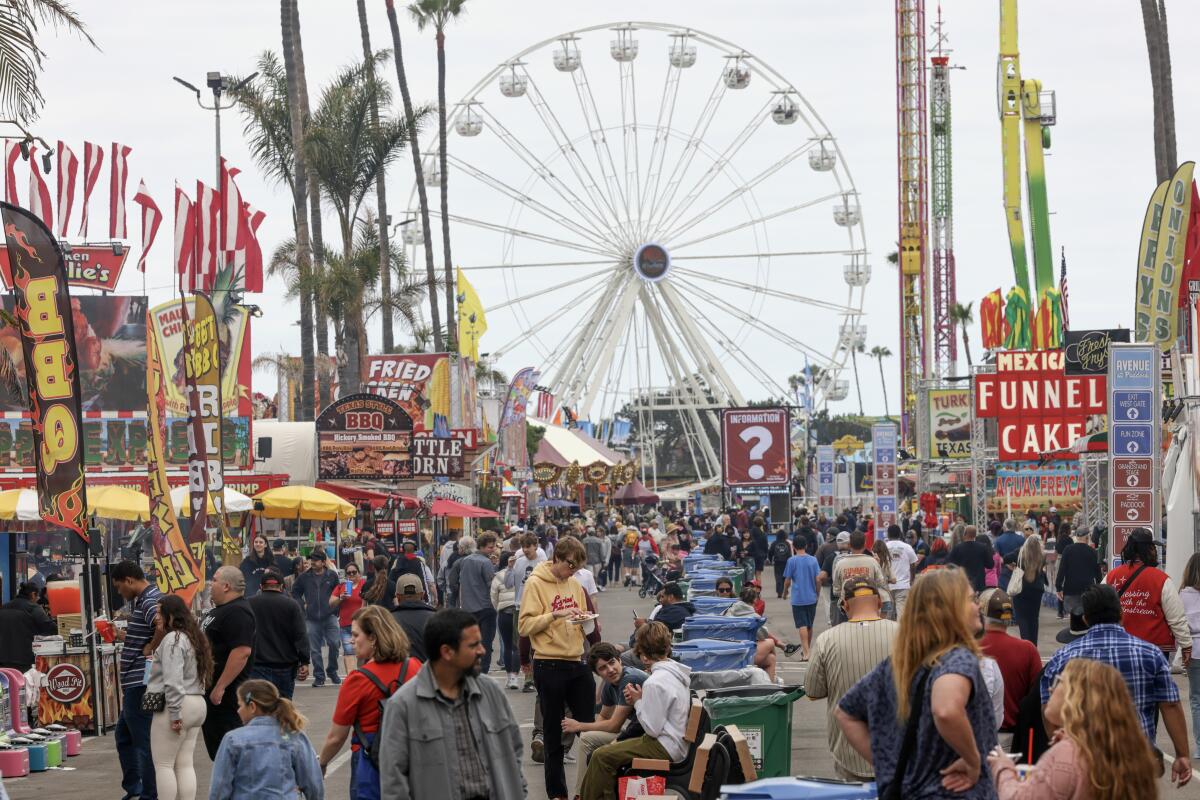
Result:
[{"x": 554, "y": 615}]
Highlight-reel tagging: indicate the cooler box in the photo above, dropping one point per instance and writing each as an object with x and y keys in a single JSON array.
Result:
[
  {"x": 764, "y": 716},
  {"x": 707, "y": 655},
  {"x": 713, "y": 605},
  {"x": 691, "y": 563},
  {"x": 729, "y": 678},
  {"x": 800, "y": 789},
  {"x": 712, "y": 626}
]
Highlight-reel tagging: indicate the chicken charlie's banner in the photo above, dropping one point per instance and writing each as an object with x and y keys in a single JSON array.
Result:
[
  {"x": 177, "y": 567},
  {"x": 43, "y": 311}
]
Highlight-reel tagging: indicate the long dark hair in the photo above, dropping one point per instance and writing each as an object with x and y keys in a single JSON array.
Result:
[
  {"x": 177, "y": 617},
  {"x": 374, "y": 593}
]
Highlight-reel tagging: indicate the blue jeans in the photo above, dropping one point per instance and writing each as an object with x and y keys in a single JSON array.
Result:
[
  {"x": 487, "y": 627},
  {"x": 133, "y": 746},
  {"x": 324, "y": 633},
  {"x": 508, "y": 641},
  {"x": 283, "y": 678},
  {"x": 1193, "y": 672}
]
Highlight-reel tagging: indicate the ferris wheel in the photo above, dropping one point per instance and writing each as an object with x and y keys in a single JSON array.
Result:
[{"x": 657, "y": 220}]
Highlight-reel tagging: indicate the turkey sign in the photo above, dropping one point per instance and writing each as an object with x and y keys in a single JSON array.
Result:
[
  {"x": 1038, "y": 408},
  {"x": 756, "y": 449}
]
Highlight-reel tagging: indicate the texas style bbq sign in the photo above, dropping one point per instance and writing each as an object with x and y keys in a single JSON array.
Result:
[{"x": 1038, "y": 408}]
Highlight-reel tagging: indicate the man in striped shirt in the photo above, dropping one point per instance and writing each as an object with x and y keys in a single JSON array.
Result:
[
  {"x": 841, "y": 656},
  {"x": 133, "y": 727}
]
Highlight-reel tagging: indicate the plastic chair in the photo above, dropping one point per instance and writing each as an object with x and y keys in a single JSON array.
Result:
[{"x": 678, "y": 774}]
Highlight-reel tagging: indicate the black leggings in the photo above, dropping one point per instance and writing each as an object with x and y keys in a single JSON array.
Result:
[
  {"x": 561, "y": 685},
  {"x": 779, "y": 568},
  {"x": 1027, "y": 608}
]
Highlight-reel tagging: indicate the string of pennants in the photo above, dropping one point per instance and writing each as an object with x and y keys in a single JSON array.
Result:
[{"x": 218, "y": 232}]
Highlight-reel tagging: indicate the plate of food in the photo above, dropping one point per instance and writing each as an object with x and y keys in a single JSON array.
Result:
[{"x": 582, "y": 618}]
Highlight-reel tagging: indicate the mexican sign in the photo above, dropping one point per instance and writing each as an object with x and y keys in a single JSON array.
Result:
[
  {"x": 756, "y": 450},
  {"x": 1028, "y": 485},
  {"x": 825, "y": 480},
  {"x": 886, "y": 485},
  {"x": 89, "y": 266},
  {"x": 1040, "y": 410},
  {"x": 51, "y": 358},
  {"x": 1133, "y": 447},
  {"x": 950, "y": 423},
  {"x": 364, "y": 436}
]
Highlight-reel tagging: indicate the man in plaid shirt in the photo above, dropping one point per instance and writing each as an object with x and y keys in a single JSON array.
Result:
[{"x": 1143, "y": 665}]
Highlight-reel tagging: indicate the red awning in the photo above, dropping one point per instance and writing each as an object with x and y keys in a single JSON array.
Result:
[
  {"x": 359, "y": 495},
  {"x": 634, "y": 494},
  {"x": 452, "y": 508}
]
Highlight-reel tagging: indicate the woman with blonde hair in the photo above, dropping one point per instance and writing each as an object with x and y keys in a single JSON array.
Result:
[
  {"x": 1027, "y": 602},
  {"x": 269, "y": 757},
  {"x": 382, "y": 647},
  {"x": 884, "y": 557},
  {"x": 923, "y": 717},
  {"x": 1099, "y": 751}
]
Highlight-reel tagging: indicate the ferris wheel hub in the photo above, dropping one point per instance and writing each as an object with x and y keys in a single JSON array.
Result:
[{"x": 652, "y": 262}]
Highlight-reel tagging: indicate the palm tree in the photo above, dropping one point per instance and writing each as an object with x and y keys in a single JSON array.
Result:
[
  {"x": 347, "y": 152},
  {"x": 435, "y": 316},
  {"x": 879, "y": 353},
  {"x": 439, "y": 13},
  {"x": 21, "y": 56},
  {"x": 1158, "y": 47},
  {"x": 854, "y": 351},
  {"x": 963, "y": 317},
  {"x": 385, "y": 278},
  {"x": 289, "y": 22}
]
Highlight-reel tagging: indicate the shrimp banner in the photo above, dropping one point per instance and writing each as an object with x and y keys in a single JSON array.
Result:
[{"x": 43, "y": 312}]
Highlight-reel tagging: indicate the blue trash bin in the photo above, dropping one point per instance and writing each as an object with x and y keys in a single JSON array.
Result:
[
  {"x": 712, "y": 605},
  {"x": 800, "y": 789},
  {"x": 713, "y": 626},
  {"x": 709, "y": 655}
]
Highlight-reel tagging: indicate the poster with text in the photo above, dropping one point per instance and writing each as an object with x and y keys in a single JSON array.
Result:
[{"x": 756, "y": 449}]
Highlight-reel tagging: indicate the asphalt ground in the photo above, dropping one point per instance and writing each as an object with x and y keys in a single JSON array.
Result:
[{"x": 96, "y": 774}]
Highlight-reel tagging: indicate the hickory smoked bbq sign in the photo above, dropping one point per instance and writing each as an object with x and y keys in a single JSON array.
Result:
[{"x": 1038, "y": 408}]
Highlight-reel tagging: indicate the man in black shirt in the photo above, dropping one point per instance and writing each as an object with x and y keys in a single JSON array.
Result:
[
  {"x": 280, "y": 636},
  {"x": 718, "y": 543},
  {"x": 283, "y": 562},
  {"x": 20, "y": 621},
  {"x": 974, "y": 556},
  {"x": 412, "y": 612},
  {"x": 230, "y": 629},
  {"x": 1078, "y": 568}
]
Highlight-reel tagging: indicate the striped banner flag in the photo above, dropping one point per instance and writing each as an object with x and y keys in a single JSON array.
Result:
[
  {"x": 12, "y": 151},
  {"x": 151, "y": 219},
  {"x": 233, "y": 222},
  {"x": 185, "y": 237},
  {"x": 118, "y": 171},
  {"x": 545, "y": 405},
  {"x": 41, "y": 204},
  {"x": 207, "y": 217},
  {"x": 252, "y": 253},
  {"x": 68, "y": 171},
  {"x": 93, "y": 159}
]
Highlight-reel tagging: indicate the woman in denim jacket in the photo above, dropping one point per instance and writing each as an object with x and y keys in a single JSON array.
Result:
[{"x": 269, "y": 758}]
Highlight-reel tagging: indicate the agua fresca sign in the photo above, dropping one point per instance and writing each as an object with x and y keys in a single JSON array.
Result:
[{"x": 1038, "y": 408}]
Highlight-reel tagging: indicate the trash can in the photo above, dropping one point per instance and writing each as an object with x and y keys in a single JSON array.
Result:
[
  {"x": 692, "y": 563},
  {"x": 764, "y": 716},
  {"x": 738, "y": 576},
  {"x": 714, "y": 626},
  {"x": 730, "y": 678},
  {"x": 800, "y": 789},
  {"x": 708, "y": 655},
  {"x": 713, "y": 605}
]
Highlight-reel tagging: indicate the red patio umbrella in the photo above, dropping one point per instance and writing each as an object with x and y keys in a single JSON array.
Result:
[{"x": 443, "y": 507}]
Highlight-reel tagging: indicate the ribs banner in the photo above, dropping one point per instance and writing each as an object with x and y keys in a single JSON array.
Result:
[{"x": 43, "y": 311}]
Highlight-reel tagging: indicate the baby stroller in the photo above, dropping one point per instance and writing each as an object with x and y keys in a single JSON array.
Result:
[{"x": 652, "y": 578}]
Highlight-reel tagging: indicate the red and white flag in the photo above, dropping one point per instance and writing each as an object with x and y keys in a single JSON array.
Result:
[
  {"x": 93, "y": 159},
  {"x": 208, "y": 206},
  {"x": 545, "y": 405},
  {"x": 185, "y": 238},
  {"x": 151, "y": 219},
  {"x": 118, "y": 175},
  {"x": 41, "y": 204},
  {"x": 68, "y": 171},
  {"x": 234, "y": 230},
  {"x": 12, "y": 151},
  {"x": 253, "y": 251}
]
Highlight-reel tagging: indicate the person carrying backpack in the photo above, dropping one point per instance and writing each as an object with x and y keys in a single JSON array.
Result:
[
  {"x": 780, "y": 552},
  {"x": 382, "y": 648}
]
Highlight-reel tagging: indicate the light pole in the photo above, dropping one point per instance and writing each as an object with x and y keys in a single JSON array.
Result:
[{"x": 220, "y": 85}]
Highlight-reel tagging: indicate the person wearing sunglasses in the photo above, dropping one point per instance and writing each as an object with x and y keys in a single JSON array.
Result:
[
  {"x": 347, "y": 599},
  {"x": 724, "y": 587}
]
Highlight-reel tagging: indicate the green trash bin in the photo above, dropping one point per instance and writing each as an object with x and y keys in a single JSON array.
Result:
[{"x": 764, "y": 716}]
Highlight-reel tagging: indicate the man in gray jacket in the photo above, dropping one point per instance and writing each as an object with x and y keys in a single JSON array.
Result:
[
  {"x": 474, "y": 590},
  {"x": 447, "y": 732}
]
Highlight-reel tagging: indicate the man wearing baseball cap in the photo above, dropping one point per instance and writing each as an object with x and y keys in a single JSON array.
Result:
[
  {"x": 281, "y": 653},
  {"x": 841, "y": 656},
  {"x": 1019, "y": 661},
  {"x": 412, "y": 612}
]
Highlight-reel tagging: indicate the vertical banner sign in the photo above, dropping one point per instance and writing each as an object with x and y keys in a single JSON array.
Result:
[
  {"x": 1134, "y": 432},
  {"x": 756, "y": 450},
  {"x": 178, "y": 570},
  {"x": 1168, "y": 263},
  {"x": 825, "y": 480},
  {"x": 1147, "y": 273},
  {"x": 206, "y": 352},
  {"x": 883, "y": 443},
  {"x": 43, "y": 311},
  {"x": 198, "y": 467}
]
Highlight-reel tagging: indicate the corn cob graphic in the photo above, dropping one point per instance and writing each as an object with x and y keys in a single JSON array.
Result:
[{"x": 438, "y": 394}]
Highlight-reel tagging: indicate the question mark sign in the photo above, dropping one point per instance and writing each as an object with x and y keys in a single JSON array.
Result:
[{"x": 763, "y": 441}]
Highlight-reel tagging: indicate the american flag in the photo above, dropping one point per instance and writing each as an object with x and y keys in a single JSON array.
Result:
[{"x": 1062, "y": 290}]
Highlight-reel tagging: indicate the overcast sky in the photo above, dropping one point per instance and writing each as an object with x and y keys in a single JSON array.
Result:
[{"x": 838, "y": 55}]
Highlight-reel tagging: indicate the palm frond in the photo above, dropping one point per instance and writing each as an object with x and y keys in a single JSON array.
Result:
[{"x": 21, "y": 57}]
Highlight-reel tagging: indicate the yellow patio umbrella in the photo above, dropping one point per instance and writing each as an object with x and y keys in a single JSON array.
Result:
[
  {"x": 118, "y": 502},
  {"x": 303, "y": 502},
  {"x": 19, "y": 504},
  {"x": 235, "y": 501}
]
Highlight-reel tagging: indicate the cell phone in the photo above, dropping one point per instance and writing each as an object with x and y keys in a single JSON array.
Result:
[{"x": 631, "y": 611}]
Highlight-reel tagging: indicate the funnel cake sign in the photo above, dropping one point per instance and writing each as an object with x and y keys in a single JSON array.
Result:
[{"x": 1038, "y": 408}]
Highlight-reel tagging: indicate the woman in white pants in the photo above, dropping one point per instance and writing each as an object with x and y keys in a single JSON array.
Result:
[{"x": 181, "y": 669}]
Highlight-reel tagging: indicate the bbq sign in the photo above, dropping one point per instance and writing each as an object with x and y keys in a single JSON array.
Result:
[
  {"x": 364, "y": 436},
  {"x": 1038, "y": 408}
]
